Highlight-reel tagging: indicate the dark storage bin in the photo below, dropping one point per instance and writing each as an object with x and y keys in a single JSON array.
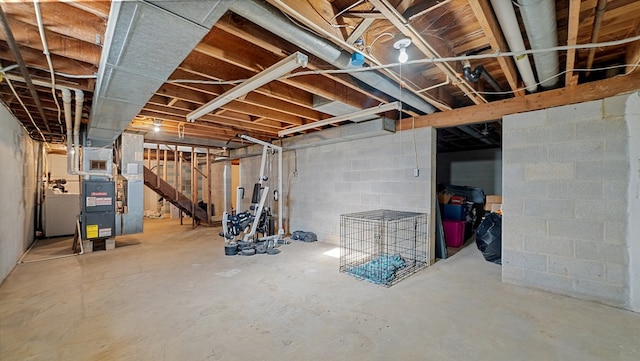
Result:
[{"x": 454, "y": 212}]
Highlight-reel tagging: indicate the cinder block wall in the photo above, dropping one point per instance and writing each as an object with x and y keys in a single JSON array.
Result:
[
  {"x": 218, "y": 176},
  {"x": 565, "y": 177},
  {"x": 325, "y": 181},
  {"x": 18, "y": 191}
]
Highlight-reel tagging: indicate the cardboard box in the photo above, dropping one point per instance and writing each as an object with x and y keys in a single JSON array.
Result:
[
  {"x": 444, "y": 197},
  {"x": 496, "y": 207},
  {"x": 491, "y": 200}
]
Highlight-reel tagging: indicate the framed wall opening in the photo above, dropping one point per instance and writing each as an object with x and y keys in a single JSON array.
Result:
[{"x": 468, "y": 169}]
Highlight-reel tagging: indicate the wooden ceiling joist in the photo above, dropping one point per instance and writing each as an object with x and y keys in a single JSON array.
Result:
[
  {"x": 572, "y": 39},
  {"x": 552, "y": 98}
]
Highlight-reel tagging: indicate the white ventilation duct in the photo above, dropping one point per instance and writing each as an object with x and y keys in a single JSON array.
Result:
[
  {"x": 507, "y": 18},
  {"x": 539, "y": 17}
]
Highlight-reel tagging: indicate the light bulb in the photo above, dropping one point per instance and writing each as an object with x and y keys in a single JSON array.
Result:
[
  {"x": 156, "y": 128},
  {"x": 403, "y": 57}
]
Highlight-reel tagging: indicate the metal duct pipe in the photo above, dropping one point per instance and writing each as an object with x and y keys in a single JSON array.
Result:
[
  {"x": 539, "y": 17},
  {"x": 509, "y": 24},
  {"x": 271, "y": 19}
]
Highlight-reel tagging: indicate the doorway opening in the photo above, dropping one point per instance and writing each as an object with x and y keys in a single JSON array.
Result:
[{"x": 469, "y": 183}]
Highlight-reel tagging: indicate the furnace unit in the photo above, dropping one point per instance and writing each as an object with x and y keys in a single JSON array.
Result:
[{"x": 98, "y": 209}]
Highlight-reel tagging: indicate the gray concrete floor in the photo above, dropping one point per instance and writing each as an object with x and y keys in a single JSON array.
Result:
[{"x": 171, "y": 294}]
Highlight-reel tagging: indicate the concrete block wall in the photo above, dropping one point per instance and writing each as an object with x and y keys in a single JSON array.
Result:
[
  {"x": 325, "y": 181},
  {"x": 477, "y": 168},
  {"x": 632, "y": 115},
  {"x": 218, "y": 178},
  {"x": 18, "y": 192},
  {"x": 565, "y": 199}
]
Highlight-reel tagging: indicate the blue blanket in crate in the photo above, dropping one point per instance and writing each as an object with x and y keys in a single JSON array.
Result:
[{"x": 380, "y": 270}]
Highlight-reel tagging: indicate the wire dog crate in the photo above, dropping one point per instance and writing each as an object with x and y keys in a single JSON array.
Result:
[{"x": 383, "y": 246}]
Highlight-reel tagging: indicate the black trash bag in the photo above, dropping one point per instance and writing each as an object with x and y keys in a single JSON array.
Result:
[
  {"x": 304, "y": 236},
  {"x": 298, "y": 235},
  {"x": 310, "y": 237},
  {"x": 489, "y": 238}
]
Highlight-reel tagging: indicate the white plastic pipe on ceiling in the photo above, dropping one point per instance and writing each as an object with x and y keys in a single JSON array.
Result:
[
  {"x": 539, "y": 17},
  {"x": 507, "y": 18}
]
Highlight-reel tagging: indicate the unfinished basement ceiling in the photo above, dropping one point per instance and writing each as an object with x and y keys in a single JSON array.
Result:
[{"x": 140, "y": 62}]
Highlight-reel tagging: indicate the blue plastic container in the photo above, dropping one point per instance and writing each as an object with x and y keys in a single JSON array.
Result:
[{"x": 454, "y": 212}]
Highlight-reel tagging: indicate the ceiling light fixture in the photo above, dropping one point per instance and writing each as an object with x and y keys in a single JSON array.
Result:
[
  {"x": 401, "y": 43},
  {"x": 273, "y": 72},
  {"x": 156, "y": 125},
  {"x": 358, "y": 114}
]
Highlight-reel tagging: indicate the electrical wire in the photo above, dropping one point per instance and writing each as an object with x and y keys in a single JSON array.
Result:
[
  {"x": 439, "y": 60},
  {"x": 208, "y": 82},
  {"x": 345, "y": 10},
  {"x": 507, "y": 92},
  {"x": 526, "y": 52},
  {"x": 25, "y": 109},
  {"x": 77, "y": 76},
  {"x": 467, "y": 57}
]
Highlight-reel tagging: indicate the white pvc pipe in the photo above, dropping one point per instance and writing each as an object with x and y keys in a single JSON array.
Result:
[
  {"x": 66, "y": 100},
  {"x": 76, "y": 140},
  {"x": 509, "y": 24},
  {"x": 280, "y": 201},
  {"x": 76, "y": 130},
  {"x": 47, "y": 54},
  {"x": 539, "y": 17}
]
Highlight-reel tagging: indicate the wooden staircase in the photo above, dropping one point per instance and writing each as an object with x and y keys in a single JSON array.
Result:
[{"x": 174, "y": 197}]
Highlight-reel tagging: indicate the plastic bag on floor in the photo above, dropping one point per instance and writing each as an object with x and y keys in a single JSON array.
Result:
[
  {"x": 304, "y": 236},
  {"x": 489, "y": 238}
]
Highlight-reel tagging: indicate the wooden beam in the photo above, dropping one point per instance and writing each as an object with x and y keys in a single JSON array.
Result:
[
  {"x": 316, "y": 14},
  {"x": 278, "y": 46},
  {"x": 488, "y": 23},
  {"x": 552, "y": 98},
  {"x": 364, "y": 14},
  {"x": 422, "y": 8},
  {"x": 28, "y": 36},
  {"x": 572, "y": 39},
  {"x": 357, "y": 33}
]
